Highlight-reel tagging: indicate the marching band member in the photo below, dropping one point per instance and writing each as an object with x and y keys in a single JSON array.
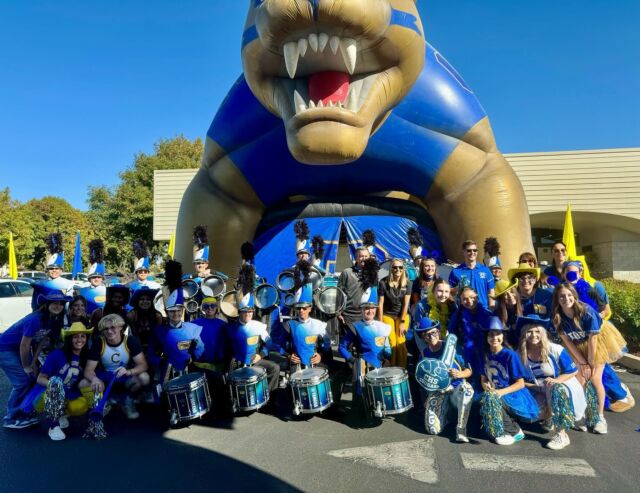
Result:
[
  {"x": 64, "y": 398},
  {"x": 596, "y": 296},
  {"x": 394, "y": 296},
  {"x": 20, "y": 346},
  {"x": 55, "y": 265},
  {"x": 368, "y": 337},
  {"x": 96, "y": 292},
  {"x": 301, "y": 230},
  {"x": 508, "y": 308},
  {"x": 591, "y": 342},
  {"x": 492, "y": 257},
  {"x": 141, "y": 269},
  {"x": 550, "y": 376},
  {"x": 459, "y": 396},
  {"x": 116, "y": 355},
  {"x": 200, "y": 253},
  {"x": 416, "y": 252},
  {"x": 505, "y": 399},
  {"x": 250, "y": 341},
  {"x": 534, "y": 299}
]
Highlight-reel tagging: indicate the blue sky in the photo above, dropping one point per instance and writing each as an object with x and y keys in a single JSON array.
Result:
[{"x": 85, "y": 85}]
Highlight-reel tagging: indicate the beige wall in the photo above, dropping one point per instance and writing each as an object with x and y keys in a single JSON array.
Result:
[{"x": 168, "y": 189}]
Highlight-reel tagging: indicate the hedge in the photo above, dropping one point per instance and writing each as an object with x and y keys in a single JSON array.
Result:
[{"x": 625, "y": 305}]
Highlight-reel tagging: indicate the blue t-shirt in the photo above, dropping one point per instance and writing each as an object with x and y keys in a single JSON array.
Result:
[
  {"x": 479, "y": 278},
  {"x": 599, "y": 294},
  {"x": 33, "y": 325},
  {"x": 458, "y": 363},
  {"x": 539, "y": 304},
  {"x": 503, "y": 368},
  {"x": 371, "y": 341},
  {"x": 590, "y": 323},
  {"x": 213, "y": 340},
  {"x": 56, "y": 365}
]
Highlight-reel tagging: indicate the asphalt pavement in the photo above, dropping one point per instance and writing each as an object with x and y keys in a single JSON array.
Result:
[{"x": 264, "y": 453}]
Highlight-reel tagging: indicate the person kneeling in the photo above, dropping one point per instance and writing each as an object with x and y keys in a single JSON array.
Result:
[{"x": 459, "y": 395}]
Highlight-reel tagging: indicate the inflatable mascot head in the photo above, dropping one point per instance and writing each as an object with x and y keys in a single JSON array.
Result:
[{"x": 331, "y": 69}]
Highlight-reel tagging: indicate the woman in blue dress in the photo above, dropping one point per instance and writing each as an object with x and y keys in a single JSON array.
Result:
[{"x": 505, "y": 400}]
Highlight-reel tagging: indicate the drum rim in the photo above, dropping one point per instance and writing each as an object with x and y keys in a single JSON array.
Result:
[
  {"x": 253, "y": 378},
  {"x": 231, "y": 294},
  {"x": 397, "y": 378},
  {"x": 327, "y": 288},
  {"x": 290, "y": 273},
  {"x": 222, "y": 281},
  {"x": 276, "y": 293},
  {"x": 314, "y": 380},
  {"x": 189, "y": 382}
]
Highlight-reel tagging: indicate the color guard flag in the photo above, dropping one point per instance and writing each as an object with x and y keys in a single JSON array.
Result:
[
  {"x": 13, "y": 265},
  {"x": 77, "y": 258},
  {"x": 172, "y": 245}
]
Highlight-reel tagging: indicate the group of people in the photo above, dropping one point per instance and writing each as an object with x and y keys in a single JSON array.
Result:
[{"x": 526, "y": 347}]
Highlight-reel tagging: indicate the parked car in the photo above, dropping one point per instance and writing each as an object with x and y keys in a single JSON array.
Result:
[
  {"x": 15, "y": 301},
  {"x": 32, "y": 274},
  {"x": 81, "y": 276}
]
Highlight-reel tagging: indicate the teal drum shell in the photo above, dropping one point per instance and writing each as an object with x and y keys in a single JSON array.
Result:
[
  {"x": 311, "y": 389},
  {"x": 388, "y": 388},
  {"x": 249, "y": 388}
]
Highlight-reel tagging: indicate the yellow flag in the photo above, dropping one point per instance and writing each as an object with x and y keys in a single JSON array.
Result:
[
  {"x": 172, "y": 244},
  {"x": 568, "y": 237},
  {"x": 13, "y": 265}
]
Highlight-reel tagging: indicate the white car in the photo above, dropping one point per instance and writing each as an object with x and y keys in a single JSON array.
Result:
[{"x": 15, "y": 301}]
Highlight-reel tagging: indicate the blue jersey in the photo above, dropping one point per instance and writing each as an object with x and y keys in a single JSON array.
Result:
[
  {"x": 248, "y": 339},
  {"x": 590, "y": 323},
  {"x": 479, "y": 278},
  {"x": 458, "y": 362},
  {"x": 35, "y": 325},
  {"x": 56, "y": 365},
  {"x": 213, "y": 337},
  {"x": 538, "y": 304},
  {"x": 181, "y": 344},
  {"x": 503, "y": 368},
  {"x": 304, "y": 338},
  {"x": 370, "y": 339}
]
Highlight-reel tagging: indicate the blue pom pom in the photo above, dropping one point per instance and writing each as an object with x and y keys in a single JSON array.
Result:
[
  {"x": 563, "y": 417},
  {"x": 491, "y": 413}
]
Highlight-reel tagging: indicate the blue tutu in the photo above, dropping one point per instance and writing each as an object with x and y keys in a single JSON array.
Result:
[{"x": 523, "y": 405}]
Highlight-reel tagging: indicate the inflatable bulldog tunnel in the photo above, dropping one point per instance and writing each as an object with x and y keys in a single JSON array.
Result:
[{"x": 347, "y": 117}]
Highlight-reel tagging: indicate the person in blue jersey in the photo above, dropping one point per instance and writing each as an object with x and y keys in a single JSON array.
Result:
[
  {"x": 96, "y": 292},
  {"x": 619, "y": 395},
  {"x": 508, "y": 308},
  {"x": 591, "y": 342},
  {"x": 505, "y": 400},
  {"x": 534, "y": 300},
  {"x": 55, "y": 266},
  {"x": 249, "y": 340},
  {"x": 20, "y": 347},
  {"x": 68, "y": 365},
  {"x": 368, "y": 338},
  {"x": 141, "y": 267},
  {"x": 550, "y": 376},
  {"x": 116, "y": 355},
  {"x": 143, "y": 317},
  {"x": 473, "y": 274},
  {"x": 466, "y": 324},
  {"x": 439, "y": 405}
]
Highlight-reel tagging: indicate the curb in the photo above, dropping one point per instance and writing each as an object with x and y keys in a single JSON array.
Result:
[{"x": 630, "y": 361}]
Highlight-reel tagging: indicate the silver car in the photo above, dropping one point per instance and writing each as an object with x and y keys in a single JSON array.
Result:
[{"x": 15, "y": 301}]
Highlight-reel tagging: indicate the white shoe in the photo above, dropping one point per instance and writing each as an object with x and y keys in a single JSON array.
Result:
[
  {"x": 461, "y": 436},
  {"x": 56, "y": 434},
  {"x": 504, "y": 440},
  {"x": 559, "y": 441},
  {"x": 601, "y": 426},
  {"x": 64, "y": 422},
  {"x": 130, "y": 410}
]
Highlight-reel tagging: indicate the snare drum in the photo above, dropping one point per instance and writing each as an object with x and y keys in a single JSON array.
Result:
[
  {"x": 229, "y": 305},
  {"x": 387, "y": 391},
  {"x": 249, "y": 388},
  {"x": 311, "y": 390},
  {"x": 266, "y": 296},
  {"x": 189, "y": 397},
  {"x": 330, "y": 300}
]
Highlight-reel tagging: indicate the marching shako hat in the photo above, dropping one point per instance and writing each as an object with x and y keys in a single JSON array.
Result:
[
  {"x": 301, "y": 230},
  {"x": 200, "y": 245},
  {"x": 369, "y": 297},
  {"x": 96, "y": 259},
  {"x": 303, "y": 296},
  {"x": 56, "y": 251},
  {"x": 141, "y": 254}
]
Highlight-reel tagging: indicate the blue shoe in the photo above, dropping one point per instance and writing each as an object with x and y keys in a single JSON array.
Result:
[{"x": 518, "y": 436}]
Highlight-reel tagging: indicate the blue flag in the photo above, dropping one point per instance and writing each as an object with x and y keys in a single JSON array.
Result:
[{"x": 77, "y": 258}]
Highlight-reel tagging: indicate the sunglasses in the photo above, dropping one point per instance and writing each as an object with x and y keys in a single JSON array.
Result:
[
  {"x": 562, "y": 250},
  {"x": 397, "y": 267},
  {"x": 472, "y": 250}
]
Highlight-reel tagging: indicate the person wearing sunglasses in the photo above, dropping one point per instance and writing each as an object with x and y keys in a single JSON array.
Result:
[
  {"x": 439, "y": 406},
  {"x": 116, "y": 355},
  {"x": 471, "y": 273},
  {"x": 559, "y": 257},
  {"x": 534, "y": 299},
  {"x": 141, "y": 269},
  {"x": 394, "y": 297}
]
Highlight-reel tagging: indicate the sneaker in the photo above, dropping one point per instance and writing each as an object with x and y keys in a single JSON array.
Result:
[
  {"x": 580, "y": 425},
  {"x": 601, "y": 426},
  {"x": 461, "y": 436},
  {"x": 623, "y": 404},
  {"x": 18, "y": 424},
  {"x": 559, "y": 441},
  {"x": 518, "y": 436},
  {"x": 504, "y": 440},
  {"x": 547, "y": 425},
  {"x": 63, "y": 422},
  {"x": 56, "y": 434},
  {"x": 129, "y": 408}
]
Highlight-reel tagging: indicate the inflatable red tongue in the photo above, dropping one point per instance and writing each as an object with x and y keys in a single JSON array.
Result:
[{"x": 328, "y": 86}]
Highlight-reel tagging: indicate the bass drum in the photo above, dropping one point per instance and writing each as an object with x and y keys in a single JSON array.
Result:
[
  {"x": 330, "y": 300},
  {"x": 229, "y": 305},
  {"x": 266, "y": 296},
  {"x": 213, "y": 285}
]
